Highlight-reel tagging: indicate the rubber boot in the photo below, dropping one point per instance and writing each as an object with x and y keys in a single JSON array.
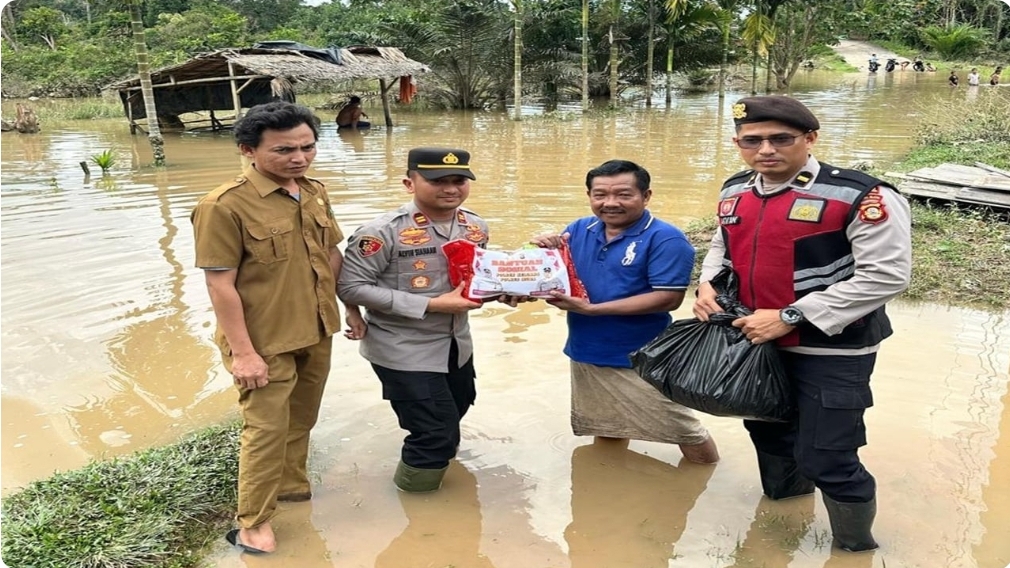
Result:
[
  {"x": 781, "y": 478},
  {"x": 851, "y": 523},
  {"x": 416, "y": 480}
]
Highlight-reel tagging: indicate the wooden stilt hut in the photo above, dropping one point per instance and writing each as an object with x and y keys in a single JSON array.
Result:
[{"x": 233, "y": 79}]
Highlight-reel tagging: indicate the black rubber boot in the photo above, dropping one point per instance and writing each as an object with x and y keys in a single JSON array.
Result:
[
  {"x": 780, "y": 477},
  {"x": 416, "y": 480},
  {"x": 851, "y": 523}
]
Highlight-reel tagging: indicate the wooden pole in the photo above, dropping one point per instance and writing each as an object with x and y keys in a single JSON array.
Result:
[
  {"x": 236, "y": 102},
  {"x": 206, "y": 80},
  {"x": 383, "y": 94}
]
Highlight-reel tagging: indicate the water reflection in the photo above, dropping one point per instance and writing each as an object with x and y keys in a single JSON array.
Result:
[
  {"x": 443, "y": 528},
  {"x": 629, "y": 509},
  {"x": 775, "y": 534}
]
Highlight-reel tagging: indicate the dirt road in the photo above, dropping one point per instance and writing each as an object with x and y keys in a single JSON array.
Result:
[{"x": 857, "y": 53}]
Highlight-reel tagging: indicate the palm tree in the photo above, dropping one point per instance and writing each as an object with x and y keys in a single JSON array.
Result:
[
  {"x": 144, "y": 69},
  {"x": 759, "y": 32},
  {"x": 585, "y": 55},
  {"x": 684, "y": 20},
  {"x": 517, "y": 5}
]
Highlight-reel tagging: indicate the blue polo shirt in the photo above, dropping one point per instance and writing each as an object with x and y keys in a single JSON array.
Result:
[{"x": 650, "y": 255}]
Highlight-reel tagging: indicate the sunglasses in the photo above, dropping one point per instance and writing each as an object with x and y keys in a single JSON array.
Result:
[{"x": 776, "y": 140}]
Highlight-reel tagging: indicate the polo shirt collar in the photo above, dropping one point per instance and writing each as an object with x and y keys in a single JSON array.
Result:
[
  {"x": 638, "y": 228},
  {"x": 264, "y": 186}
]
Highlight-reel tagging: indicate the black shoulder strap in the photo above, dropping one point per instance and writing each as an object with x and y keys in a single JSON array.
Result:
[
  {"x": 739, "y": 177},
  {"x": 851, "y": 178}
]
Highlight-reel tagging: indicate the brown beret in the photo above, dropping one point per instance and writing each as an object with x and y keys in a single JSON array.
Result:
[{"x": 779, "y": 108}]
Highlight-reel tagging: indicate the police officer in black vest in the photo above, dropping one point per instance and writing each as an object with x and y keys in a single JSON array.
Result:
[{"x": 818, "y": 250}]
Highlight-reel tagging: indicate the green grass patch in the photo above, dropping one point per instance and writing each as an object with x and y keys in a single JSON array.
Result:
[
  {"x": 156, "y": 509},
  {"x": 835, "y": 63}
]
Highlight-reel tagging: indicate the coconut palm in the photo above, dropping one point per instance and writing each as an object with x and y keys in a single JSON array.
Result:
[{"x": 954, "y": 42}]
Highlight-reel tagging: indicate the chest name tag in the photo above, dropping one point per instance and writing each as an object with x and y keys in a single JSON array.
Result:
[{"x": 807, "y": 210}]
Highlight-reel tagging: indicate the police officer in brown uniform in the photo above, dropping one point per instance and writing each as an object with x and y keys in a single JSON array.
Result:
[
  {"x": 418, "y": 339},
  {"x": 818, "y": 250},
  {"x": 267, "y": 242}
]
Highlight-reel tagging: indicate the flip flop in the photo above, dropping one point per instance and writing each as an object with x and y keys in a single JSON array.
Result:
[{"x": 233, "y": 539}]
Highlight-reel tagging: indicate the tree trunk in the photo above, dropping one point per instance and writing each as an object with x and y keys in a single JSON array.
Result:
[
  {"x": 144, "y": 69},
  {"x": 725, "y": 61},
  {"x": 768, "y": 73},
  {"x": 585, "y": 55},
  {"x": 518, "y": 86},
  {"x": 7, "y": 26},
  {"x": 613, "y": 68},
  {"x": 669, "y": 74},
  {"x": 754, "y": 59},
  {"x": 651, "y": 55}
]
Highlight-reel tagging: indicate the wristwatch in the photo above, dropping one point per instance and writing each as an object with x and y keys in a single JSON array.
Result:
[{"x": 791, "y": 315}]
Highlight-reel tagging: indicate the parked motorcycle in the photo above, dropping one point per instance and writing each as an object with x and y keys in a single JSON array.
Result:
[
  {"x": 891, "y": 62},
  {"x": 918, "y": 66},
  {"x": 874, "y": 66}
]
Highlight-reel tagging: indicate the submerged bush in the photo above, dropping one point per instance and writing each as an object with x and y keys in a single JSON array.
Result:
[{"x": 985, "y": 118}]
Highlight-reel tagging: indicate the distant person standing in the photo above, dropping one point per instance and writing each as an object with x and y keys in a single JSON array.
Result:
[
  {"x": 952, "y": 80},
  {"x": 973, "y": 78},
  {"x": 351, "y": 113},
  {"x": 994, "y": 78}
]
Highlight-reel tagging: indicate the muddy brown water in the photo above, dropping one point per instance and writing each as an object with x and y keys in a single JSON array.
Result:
[{"x": 106, "y": 350}]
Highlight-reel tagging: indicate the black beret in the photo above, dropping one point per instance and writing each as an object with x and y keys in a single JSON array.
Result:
[
  {"x": 779, "y": 108},
  {"x": 434, "y": 163}
]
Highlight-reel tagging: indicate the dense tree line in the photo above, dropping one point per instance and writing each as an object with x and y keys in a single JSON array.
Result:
[{"x": 74, "y": 47}]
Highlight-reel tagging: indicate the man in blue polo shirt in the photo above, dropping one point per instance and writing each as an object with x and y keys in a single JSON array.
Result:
[{"x": 636, "y": 269}]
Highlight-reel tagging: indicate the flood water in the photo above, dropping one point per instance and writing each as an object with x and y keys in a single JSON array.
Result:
[{"x": 106, "y": 350}]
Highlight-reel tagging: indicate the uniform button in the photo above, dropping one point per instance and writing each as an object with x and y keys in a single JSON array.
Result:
[
  {"x": 604, "y": 248},
  {"x": 274, "y": 231}
]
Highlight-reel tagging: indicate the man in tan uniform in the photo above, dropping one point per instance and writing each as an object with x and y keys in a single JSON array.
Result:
[
  {"x": 418, "y": 335},
  {"x": 267, "y": 242}
]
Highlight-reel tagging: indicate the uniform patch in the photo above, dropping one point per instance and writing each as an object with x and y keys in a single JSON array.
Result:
[
  {"x": 420, "y": 265},
  {"x": 369, "y": 245},
  {"x": 475, "y": 234},
  {"x": 807, "y": 210},
  {"x": 460, "y": 217},
  {"x": 419, "y": 282},
  {"x": 871, "y": 208},
  {"x": 728, "y": 206},
  {"x": 414, "y": 236},
  {"x": 420, "y": 219},
  {"x": 729, "y": 220}
]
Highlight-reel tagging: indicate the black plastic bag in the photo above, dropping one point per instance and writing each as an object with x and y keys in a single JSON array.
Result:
[{"x": 712, "y": 366}]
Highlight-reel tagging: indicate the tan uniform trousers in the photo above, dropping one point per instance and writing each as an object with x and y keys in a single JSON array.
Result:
[{"x": 277, "y": 419}]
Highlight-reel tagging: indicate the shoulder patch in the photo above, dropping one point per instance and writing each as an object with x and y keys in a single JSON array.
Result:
[
  {"x": 871, "y": 208},
  {"x": 367, "y": 245}
]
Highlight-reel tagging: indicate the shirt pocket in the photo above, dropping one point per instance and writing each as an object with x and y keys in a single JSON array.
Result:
[
  {"x": 270, "y": 242},
  {"x": 327, "y": 236}
]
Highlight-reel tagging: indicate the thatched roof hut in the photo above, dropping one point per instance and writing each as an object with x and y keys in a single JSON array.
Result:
[{"x": 232, "y": 79}]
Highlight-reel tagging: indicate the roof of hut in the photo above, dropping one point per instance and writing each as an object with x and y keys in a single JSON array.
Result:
[
  {"x": 357, "y": 62},
  {"x": 258, "y": 75}
]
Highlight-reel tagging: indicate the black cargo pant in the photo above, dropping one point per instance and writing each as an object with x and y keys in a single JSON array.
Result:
[
  {"x": 832, "y": 394},
  {"x": 430, "y": 406}
]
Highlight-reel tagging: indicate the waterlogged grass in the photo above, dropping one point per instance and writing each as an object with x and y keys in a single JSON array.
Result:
[{"x": 156, "y": 509}]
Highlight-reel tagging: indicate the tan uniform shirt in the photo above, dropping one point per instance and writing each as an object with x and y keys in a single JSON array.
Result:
[
  {"x": 281, "y": 248},
  {"x": 883, "y": 258},
  {"x": 392, "y": 266}
]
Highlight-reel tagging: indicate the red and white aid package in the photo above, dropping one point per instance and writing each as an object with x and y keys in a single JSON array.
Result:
[{"x": 532, "y": 272}]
